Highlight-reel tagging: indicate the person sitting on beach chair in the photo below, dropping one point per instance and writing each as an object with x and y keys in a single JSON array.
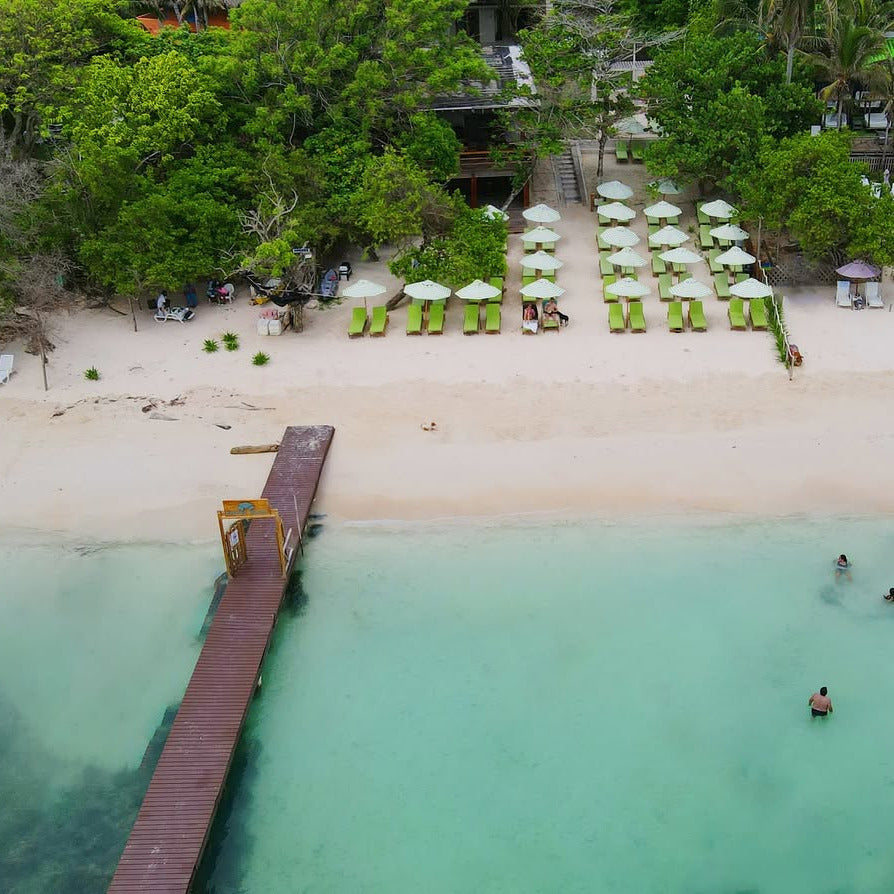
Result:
[
  {"x": 551, "y": 311},
  {"x": 530, "y": 320}
]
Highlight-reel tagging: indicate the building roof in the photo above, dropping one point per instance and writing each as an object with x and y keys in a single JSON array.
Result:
[{"x": 509, "y": 69}]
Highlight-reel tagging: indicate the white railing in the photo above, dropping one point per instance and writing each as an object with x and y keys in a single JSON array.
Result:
[{"x": 775, "y": 306}]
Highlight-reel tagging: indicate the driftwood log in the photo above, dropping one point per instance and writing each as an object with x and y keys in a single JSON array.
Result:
[{"x": 256, "y": 448}]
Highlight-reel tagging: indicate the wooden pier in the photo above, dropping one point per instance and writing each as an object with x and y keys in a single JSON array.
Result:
[{"x": 172, "y": 827}]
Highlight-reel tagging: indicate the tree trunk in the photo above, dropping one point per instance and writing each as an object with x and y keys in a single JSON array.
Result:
[
  {"x": 789, "y": 63},
  {"x": 133, "y": 314},
  {"x": 840, "y": 109},
  {"x": 603, "y": 139}
]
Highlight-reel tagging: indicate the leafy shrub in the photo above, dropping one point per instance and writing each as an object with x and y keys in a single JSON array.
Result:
[
  {"x": 92, "y": 374},
  {"x": 209, "y": 346},
  {"x": 231, "y": 341},
  {"x": 260, "y": 359}
]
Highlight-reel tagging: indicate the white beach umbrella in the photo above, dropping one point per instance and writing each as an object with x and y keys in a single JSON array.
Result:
[
  {"x": 628, "y": 288},
  {"x": 427, "y": 290},
  {"x": 616, "y": 211},
  {"x": 364, "y": 288},
  {"x": 627, "y": 257},
  {"x": 691, "y": 288},
  {"x": 719, "y": 209},
  {"x": 666, "y": 187},
  {"x": 734, "y": 257},
  {"x": 477, "y": 291},
  {"x": 619, "y": 237},
  {"x": 614, "y": 189},
  {"x": 542, "y": 288},
  {"x": 680, "y": 256},
  {"x": 634, "y": 124},
  {"x": 668, "y": 236},
  {"x": 539, "y": 235},
  {"x": 729, "y": 232},
  {"x": 662, "y": 209},
  {"x": 540, "y": 260},
  {"x": 750, "y": 288},
  {"x": 495, "y": 213},
  {"x": 541, "y": 214}
]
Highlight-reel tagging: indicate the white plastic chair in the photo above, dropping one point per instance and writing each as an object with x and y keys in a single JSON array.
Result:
[{"x": 6, "y": 361}]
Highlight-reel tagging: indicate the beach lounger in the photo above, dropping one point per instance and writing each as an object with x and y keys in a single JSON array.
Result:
[
  {"x": 616, "y": 322},
  {"x": 702, "y": 217},
  {"x": 638, "y": 150},
  {"x": 697, "y": 320},
  {"x": 681, "y": 271},
  {"x": 706, "y": 240},
  {"x": 843, "y": 293},
  {"x": 471, "y": 319},
  {"x": 358, "y": 322},
  {"x": 621, "y": 151},
  {"x": 436, "y": 318},
  {"x": 379, "y": 320},
  {"x": 603, "y": 221},
  {"x": 712, "y": 261},
  {"x": 721, "y": 286},
  {"x": 652, "y": 221},
  {"x": 179, "y": 314},
  {"x": 608, "y": 281},
  {"x": 757, "y": 310},
  {"x": 606, "y": 268},
  {"x": 498, "y": 283},
  {"x": 653, "y": 229},
  {"x": 737, "y": 314},
  {"x": 664, "y": 285},
  {"x": 527, "y": 280},
  {"x": 492, "y": 319},
  {"x": 635, "y": 316},
  {"x": 675, "y": 316},
  {"x": 658, "y": 266},
  {"x": 549, "y": 324},
  {"x": 414, "y": 319},
  {"x": 673, "y": 221},
  {"x": 741, "y": 277},
  {"x": 6, "y": 361},
  {"x": 873, "y": 295}
]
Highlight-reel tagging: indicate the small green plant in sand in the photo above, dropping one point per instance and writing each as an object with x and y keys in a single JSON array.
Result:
[
  {"x": 230, "y": 340},
  {"x": 260, "y": 359},
  {"x": 92, "y": 374},
  {"x": 209, "y": 346}
]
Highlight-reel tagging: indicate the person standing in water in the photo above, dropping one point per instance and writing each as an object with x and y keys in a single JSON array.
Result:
[
  {"x": 843, "y": 568},
  {"x": 819, "y": 703}
]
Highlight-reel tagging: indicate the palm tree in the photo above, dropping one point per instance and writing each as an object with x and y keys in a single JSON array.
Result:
[
  {"x": 845, "y": 57},
  {"x": 790, "y": 20}
]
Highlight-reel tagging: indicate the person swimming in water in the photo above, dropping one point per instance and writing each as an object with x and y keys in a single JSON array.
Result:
[
  {"x": 843, "y": 568},
  {"x": 889, "y": 596},
  {"x": 819, "y": 703}
]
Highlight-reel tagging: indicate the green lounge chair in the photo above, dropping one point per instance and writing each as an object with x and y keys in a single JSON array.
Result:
[
  {"x": 358, "y": 322},
  {"x": 471, "y": 319},
  {"x": 638, "y": 150},
  {"x": 498, "y": 283},
  {"x": 601, "y": 244},
  {"x": 635, "y": 316},
  {"x": 527, "y": 280},
  {"x": 492, "y": 318},
  {"x": 673, "y": 221},
  {"x": 702, "y": 217},
  {"x": 436, "y": 318},
  {"x": 675, "y": 316},
  {"x": 379, "y": 320},
  {"x": 549, "y": 324},
  {"x": 652, "y": 221},
  {"x": 616, "y": 322},
  {"x": 606, "y": 268},
  {"x": 721, "y": 286},
  {"x": 653, "y": 229},
  {"x": 529, "y": 271},
  {"x": 757, "y": 310},
  {"x": 603, "y": 221},
  {"x": 681, "y": 271},
  {"x": 414, "y": 319},
  {"x": 706, "y": 240},
  {"x": 715, "y": 266},
  {"x": 737, "y": 314},
  {"x": 697, "y": 317},
  {"x": 607, "y": 296},
  {"x": 658, "y": 266},
  {"x": 741, "y": 277},
  {"x": 621, "y": 151},
  {"x": 664, "y": 285}
]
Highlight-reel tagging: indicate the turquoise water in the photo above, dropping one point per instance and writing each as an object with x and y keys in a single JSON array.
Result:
[
  {"x": 95, "y": 644},
  {"x": 574, "y": 708}
]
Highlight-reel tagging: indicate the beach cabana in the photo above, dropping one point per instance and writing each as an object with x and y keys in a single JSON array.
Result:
[
  {"x": 719, "y": 209},
  {"x": 615, "y": 211},
  {"x": 750, "y": 288},
  {"x": 614, "y": 190},
  {"x": 668, "y": 236},
  {"x": 540, "y": 237},
  {"x": 541, "y": 214},
  {"x": 619, "y": 237}
]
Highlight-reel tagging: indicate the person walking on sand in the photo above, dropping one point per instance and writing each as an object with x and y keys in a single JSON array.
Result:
[{"x": 819, "y": 703}]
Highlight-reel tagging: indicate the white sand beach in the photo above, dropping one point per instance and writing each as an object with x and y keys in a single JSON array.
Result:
[{"x": 580, "y": 421}]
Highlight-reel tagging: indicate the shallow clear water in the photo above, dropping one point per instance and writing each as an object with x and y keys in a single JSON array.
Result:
[
  {"x": 574, "y": 708},
  {"x": 95, "y": 644}
]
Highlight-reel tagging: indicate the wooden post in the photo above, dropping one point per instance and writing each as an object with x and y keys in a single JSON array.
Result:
[{"x": 473, "y": 186}]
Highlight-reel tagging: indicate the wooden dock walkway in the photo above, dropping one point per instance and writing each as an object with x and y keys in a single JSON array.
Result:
[{"x": 171, "y": 829}]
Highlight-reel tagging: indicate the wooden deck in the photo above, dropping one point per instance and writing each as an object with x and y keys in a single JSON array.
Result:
[{"x": 171, "y": 829}]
